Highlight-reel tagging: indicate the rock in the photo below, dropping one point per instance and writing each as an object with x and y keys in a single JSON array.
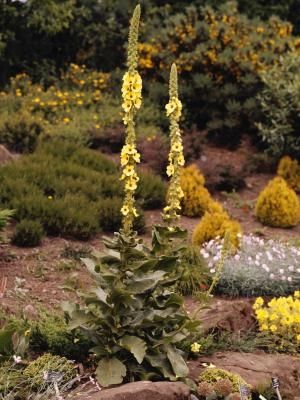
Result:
[
  {"x": 227, "y": 315},
  {"x": 5, "y": 155},
  {"x": 145, "y": 391},
  {"x": 30, "y": 312},
  {"x": 256, "y": 369}
]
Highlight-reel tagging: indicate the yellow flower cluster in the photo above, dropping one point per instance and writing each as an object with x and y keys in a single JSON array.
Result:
[
  {"x": 176, "y": 158},
  {"x": 131, "y": 93},
  {"x": 132, "y": 100},
  {"x": 280, "y": 317}
]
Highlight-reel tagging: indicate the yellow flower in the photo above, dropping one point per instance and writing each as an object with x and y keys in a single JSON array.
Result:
[
  {"x": 126, "y": 106},
  {"x": 131, "y": 185},
  {"x": 180, "y": 160},
  {"x": 298, "y": 338},
  {"x": 124, "y": 159},
  {"x": 129, "y": 170},
  {"x": 273, "y": 328},
  {"x": 177, "y": 147},
  {"x": 195, "y": 347},
  {"x": 170, "y": 170},
  {"x": 125, "y": 210},
  {"x": 50, "y": 198}
]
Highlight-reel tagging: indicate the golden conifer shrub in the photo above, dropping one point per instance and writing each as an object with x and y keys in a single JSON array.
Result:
[
  {"x": 278, "y": 205},
  {"x": 196, "y": 198},
  {"x": 216, "y": 223},
  {"x": 289, "y": 170}
]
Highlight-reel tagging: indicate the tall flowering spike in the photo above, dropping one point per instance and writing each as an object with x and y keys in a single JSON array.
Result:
[
  {"x": 132, "y": 100},
  {"x": 176, "y": 159}
]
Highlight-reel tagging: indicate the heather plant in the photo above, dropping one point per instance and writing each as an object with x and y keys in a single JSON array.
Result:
[
  {"x": 259, "y": 267},
  {"x": 279, "y": 319},
  {"x": 28, "y": 233},
  {"x": 278, "y": 205},
  {"x": 5, "y": 215}
]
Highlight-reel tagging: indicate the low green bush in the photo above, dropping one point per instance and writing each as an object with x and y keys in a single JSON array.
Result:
[
  {"x": 151, "y": 191},
  {"x": 20, "y": 132},
  {"x": 72, "y": 191},
  {"x": 28, "y": 233}
]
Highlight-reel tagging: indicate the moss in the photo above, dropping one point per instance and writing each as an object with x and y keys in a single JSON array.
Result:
[
  {"x": 278, "y": 205},
  {"x": 289, "y": 170}
]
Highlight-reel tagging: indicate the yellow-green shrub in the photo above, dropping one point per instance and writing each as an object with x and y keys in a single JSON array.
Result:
[
  {"x": 196, "y": 198},
  {"x": 280, "y": 318},
  {"x": 216, "y": 222},
  {"x": 289, "y": 170},
  {"x": 278, "y": 205}
]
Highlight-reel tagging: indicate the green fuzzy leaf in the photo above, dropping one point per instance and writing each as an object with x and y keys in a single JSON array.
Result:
[
  {"x": 110, "y": 372},
  {"x": 178, "y": 364},
  {"x": 135, "y": 345},
  {"x": 101, "y": 295},
  {"x": 160, "y": 362},
  {"x": 146, "y": 282}
]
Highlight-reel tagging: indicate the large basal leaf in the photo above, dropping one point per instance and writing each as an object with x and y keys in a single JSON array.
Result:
[
  {"x": 110, "y": 371},
  {"x": 146, "y": 282},
  {"x": 162, "y": 364},
  {"x": 135, "y": 345},
  {"x": 178, "y": 364},
  {"x": 101, "y": 295}
]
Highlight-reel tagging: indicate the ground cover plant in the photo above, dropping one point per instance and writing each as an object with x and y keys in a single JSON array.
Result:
[
  {"x": 69, "y": 190},
  {"x": 259, "y": 267}
]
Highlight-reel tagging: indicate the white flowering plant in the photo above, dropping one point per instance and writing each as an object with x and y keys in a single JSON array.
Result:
[{"x": 260, "y": 267}]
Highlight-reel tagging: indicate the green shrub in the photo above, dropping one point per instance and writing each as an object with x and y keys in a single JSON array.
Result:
[
  {"x": 20, "y": 132},
  {"x": 280, "y": 104},
  {"x": 5, "y": 215},
  {"x": 151, "y": 191},
  {"x": 194, "y": 272},
  {"x": 51, "y": 334},
  {"x": 28, "y": 233}
]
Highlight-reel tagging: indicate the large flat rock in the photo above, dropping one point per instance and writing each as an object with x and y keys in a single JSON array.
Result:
[
  {"x": 143, "y": 390},
  {"x": 256, "y": 368}
]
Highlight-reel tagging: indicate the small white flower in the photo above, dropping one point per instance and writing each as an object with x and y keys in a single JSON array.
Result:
[
  {"x": 272, "y": 276},
  {"x": 291, "y": 268},
  {"x": 212, "y": 270},
  {"x": 281, "y": 271},
  {"x": 289, "y": 279},
  {"x": 283, "y": 278},
  {"x": 17, "y": 359},
  {"x": 237, "y": 257}
]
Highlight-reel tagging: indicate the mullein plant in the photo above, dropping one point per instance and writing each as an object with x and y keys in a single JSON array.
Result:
[
  {"x": 132, "y": 100},
  {"x": 133, "y": 316}
]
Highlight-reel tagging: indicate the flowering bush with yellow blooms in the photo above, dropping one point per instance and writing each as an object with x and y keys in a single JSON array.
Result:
[
  {"x": 220, "y": 54},
  {"x": 289, "y": 170},
  {"x": 280, "y": 318},
  {"x": 278, "y": 205}
]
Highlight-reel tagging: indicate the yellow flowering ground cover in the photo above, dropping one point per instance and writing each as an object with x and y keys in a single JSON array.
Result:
[{"x": 280, "y": 318}]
